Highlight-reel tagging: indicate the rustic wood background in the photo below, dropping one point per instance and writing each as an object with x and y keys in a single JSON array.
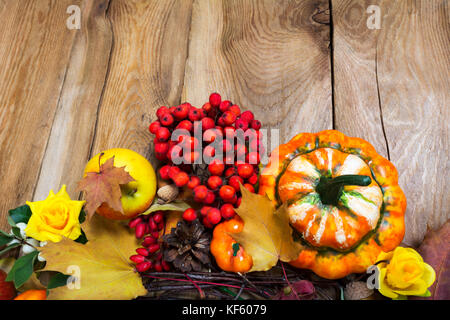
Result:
[{"x": 304, "y": 65}]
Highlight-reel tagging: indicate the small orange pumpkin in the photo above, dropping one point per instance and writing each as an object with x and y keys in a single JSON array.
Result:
[
  {"x": 343, "y": 200},
  {"x": 227, "y": 252},
  {"x": 32, "y": 295}
]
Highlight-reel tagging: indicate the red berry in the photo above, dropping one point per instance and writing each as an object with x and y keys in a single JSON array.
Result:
[
  {"x": 204, "y": 210},
  {"x": 235, "y": 109},
  {"x": 227, "y": 192},
  {"x": 142, "y": 251},
  {"x": 174, "y": 152},
  {"x": 229, "y": 132},
  {"x": 234, "y": 182},
  {"x": 207, "y": 107},
  {"x": 166, "y": 120},
  {"x": 181, "y": 179},
  {"x": 189, "y": 214},
  {"x": 158, "y": 217},
  {"x": 238, "y": 202},
  {"x": 231, "y": 200},
  {"x": 161, "y": 147},
  {"x": 148, "y": 241},
  {"x": 137, "y": 258},
  {"x": 209, "y": 151},
  {"x": 253, "y": 158},
  {"x": 228, "y": 118},
  {"x": 173, "y": 171},
  {"x": 248, "y": 116},
  {"x": 253, "y": 179},
  {"x": 161, "y": 225},
  {"x": 207, "y": 123},
  {"x": 153, "y": 248},
  {"x": 181, "y": 112},
  {"x": 140, "y": 230},
  {"x": 215, "y": 99},
  {"x": 229, "y": 172},
  {"x": 185, "y": 125},
  {"x": 241, "y": 124},
  {"x": 224, "y": 105},
  {"x": 194, "y": 181},
  {"x": 211, "y": 134},
  {"x": 227, "y": 211},
  {"x": 249, "y": 187},
  {"x": 216, "y": 167},
  {"x": 190, "y": 157},
  {"x": 214, "y": 182},
  {"x": 194, "y": 114},
  {"x": 241, "y": 151},
  {"x": 210, "y": 198},
  {"x": 162, "y": 111},
  {"x": 256, "y": 124},
  {"x": 155, "y": 234},
  {"x": 200, "y": 193},
  {"x": 163, "y": 134},
  {"x": 206, "y": 223},
  {"x": 165, "y": 265},
  {"x": 134, "y": 222},
  {"x": 227, "y": 145},
  {"x": 158, "y": 267},
  {"x": 213, "y": 216},
  {"x": 143, "y": 266},
  {"x": 164, "y": 172},
  {"x": 245, "y": 170},
  {"x": 154, "y": 126}
]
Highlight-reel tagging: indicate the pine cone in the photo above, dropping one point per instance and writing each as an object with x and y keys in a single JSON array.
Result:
[{"x": 187, "y": 246}]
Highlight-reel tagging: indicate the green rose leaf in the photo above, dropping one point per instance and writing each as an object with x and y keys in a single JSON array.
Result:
[
  {"x": 172, "y": 206},
  {"x": 5, "y": 238},
  {"x": 58, "y": 280},
  {"x": 11, "y": 246},
  {"x": 22, "y": 269},
  {"x": 20, "y": 214}
]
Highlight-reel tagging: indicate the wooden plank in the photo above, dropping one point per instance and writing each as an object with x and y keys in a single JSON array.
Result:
[
  {"x": 35, "y": 47},
  {"x": 146, "y": 70},
  {"x": 412, "y": 75},
  {"x": 73, "y": 129},
  {"x": 267, "y": 56}
]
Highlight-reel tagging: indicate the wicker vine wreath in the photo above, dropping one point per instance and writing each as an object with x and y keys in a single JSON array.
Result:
[{"x": 343, "y": 201}]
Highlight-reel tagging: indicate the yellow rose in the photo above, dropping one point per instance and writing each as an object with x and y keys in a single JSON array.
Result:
[
  {"x": 404, "y": 274},
  {"x": 55, "y": 217}
]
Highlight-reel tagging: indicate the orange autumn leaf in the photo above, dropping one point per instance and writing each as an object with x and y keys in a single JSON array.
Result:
[{"x": 104, "y": 187}]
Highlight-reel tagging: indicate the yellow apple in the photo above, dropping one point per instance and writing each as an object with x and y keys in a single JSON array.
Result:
[{"x": 137, "y": 195}]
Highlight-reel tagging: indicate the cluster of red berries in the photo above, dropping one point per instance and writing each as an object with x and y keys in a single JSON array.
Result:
[
  {"x": 149, "y": 257},
  {"x": 236, "y": 163}
]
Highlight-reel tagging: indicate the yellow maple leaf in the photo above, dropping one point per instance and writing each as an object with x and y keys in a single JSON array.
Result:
[
  {"x": 103, "y": 266},
  {"x": 267, "y": 235}
]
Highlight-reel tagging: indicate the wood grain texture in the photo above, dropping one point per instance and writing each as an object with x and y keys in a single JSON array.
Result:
[
  {"x": 267, "y": 56},
  {"x": 73, "y": 129},
  {"x": 34, "y": 51},
  {"x": 407, "y": 62},
  {"x": 146, "y": 70}
]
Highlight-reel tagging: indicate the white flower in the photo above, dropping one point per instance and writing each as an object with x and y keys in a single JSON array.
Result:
[{"x": 22, "y": 227}]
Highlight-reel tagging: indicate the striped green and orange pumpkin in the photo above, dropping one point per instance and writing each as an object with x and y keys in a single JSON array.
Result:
[{"x": 343, "y": 201}]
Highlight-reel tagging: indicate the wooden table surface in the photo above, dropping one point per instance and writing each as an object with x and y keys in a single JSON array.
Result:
[{"x": 300, "y": 66}]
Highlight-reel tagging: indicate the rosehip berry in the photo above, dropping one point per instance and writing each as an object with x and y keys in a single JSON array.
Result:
[
  {"x": 165, "y": 265},
  {"x": 249, "y": 187},
  {"x": 224, "y": 105},
  {"x": 214, "y": 216},
  {"x": 158, "y": 267},
  {"x": 241, "y": 124},
  {"x": 216, "y": 167},
  {"x": 235, "y": 109},
  {"x": 154, "y": 126},
  {"x": 207, "y": 123},
  {"x": 200, "y": 193},
  {"x": 137, "y": 258},
  {"x": 245, "y": 170},
  {"x": 194, "y": 114},
  {"x": 158, "y": 217},
  {"x": 214, "y": 182},
  {"x": 143, "y": 266},
  {"x": 227, "y": 192},
  {"x": 164, "y": 172},
  {"x": 228, "y": 118},
  {"x": 256, "y": 124},
  {"x": 189, "y": 214},
  {"x": 152, "y": 225},
  {"x": 247, "y": 116},
  {"x": 155, "y": 234},
  {"x": 194, "y": 181},
  {"x": 160, "y": 225},
  {"x": 215, "y": 99},
  {"x": 234, "y": 182},
  {"x": 181, "y": 112},
  {"x": 173, "y": 170},
  {"x": 166, "y": 120},
  {"x": 227, "y": 211},
  {"x": 140, "y": 230},
  {"x": 142, "y": 251},
  {"x": 163, "y": 134},
  {"x": 153, "y": 248},
  {"x": 210, "y": 198},
  {"x": 148, "y": 241},
  {"x": 162, "y": 111},
  {"x": 134, "y": 222},
  {"x": 253, "y": 179},
  {"x": 185, "y": 125},
  {"x": 181, "y": 179}
]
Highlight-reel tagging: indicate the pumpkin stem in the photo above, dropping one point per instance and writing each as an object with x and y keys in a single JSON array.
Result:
[{"x": 330, "y": 189}]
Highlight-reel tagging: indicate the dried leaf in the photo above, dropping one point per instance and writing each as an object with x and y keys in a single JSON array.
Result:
[
  {"x": 435, "y": 251},
  {"x": 104, "y": 186},
  {"x": 172, "y": 206},
  {"x": 267, "y": 235},
  {"x": 104, "y": 269},
  {"x": 305, "y": 291}
]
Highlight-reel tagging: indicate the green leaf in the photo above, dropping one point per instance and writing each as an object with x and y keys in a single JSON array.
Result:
[
  {"x": 425, "y": 295},
  {"x": 82, "y": 216},
  {"x": 82, "y": 238},
  {"x": 11, "y": 246},
  {"x": 5, "y": 238},
  {"x": 22, "y": 269},
  {"x": 20, "y": 214},
  {"x": 16, "y": 232},
  {"x": 172, "y": 206},
  {"x": 58, "y": 280},
  {"x": 235, "y": 248}
]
